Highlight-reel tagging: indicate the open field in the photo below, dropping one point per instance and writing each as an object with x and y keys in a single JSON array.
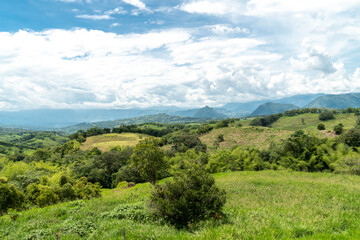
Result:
[
  {"x": 260, "y": 205},
  {"x": 106, "y": 141},
  {"x": 311, "y": 121},
  {"x": 259, "y": 137}
]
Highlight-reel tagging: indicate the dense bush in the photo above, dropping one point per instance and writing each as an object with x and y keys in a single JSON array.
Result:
[
  {"x": 348, "y": 165},
  {"x": 352, "y": 137},
  {"x": 338, "y": 129},
  {"x": 10, "y": 197},
  {"x": 321, "y": 126},
  {"x": 326, "y": 115},
  {"x": 190, "y": 197},
  {"x": 266, "y": 121}
]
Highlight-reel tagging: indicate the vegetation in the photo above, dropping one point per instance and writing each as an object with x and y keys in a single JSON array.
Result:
[{"x": 91, "y": 160}]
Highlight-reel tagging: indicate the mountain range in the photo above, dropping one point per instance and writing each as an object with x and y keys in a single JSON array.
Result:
[{"x": 46, "y": 119}]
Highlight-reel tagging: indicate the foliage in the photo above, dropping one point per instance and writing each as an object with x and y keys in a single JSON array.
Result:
[
  {"x": 266, "y": 121},
  {"x": 10, "y": 197},
  {"x": 326, "y": 115},
  {"x": 352, "y": 137},
  {"x": 339, "y": 129},
  {"x": 321, "y": 126},
  {"x": 349, "y": 164},
  {"x": 148, "y": 159},
  {"x": 190, "y": 197}
]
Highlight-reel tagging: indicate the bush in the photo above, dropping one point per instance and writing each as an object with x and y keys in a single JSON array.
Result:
[
  {"x": 352, "y": 137},
  {"x": 321, "y": 126},
  {"x": 338, "y": 129},
  {"x": 190, "y": 197},
  {"x": 348, "y": 165},
  {"x": 326, "y": 115},
  {"x": 10, "y": 197}
]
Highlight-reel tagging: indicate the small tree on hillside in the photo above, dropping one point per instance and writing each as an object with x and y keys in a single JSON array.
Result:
[
  {"x": 190, "y": 197},
  {"x": 326, "y": 115},
  {"x": 148, "y": 159},
  {"x": 321, "y": 126},
  {"x": 338, "y": 129}
]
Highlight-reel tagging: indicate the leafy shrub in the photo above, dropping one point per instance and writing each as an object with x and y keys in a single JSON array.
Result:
[
  {"x": 326, "y": 115},
  {"x": 348, "y": 165},
  {"x": 67, "y": 192},
  {"x": 321, "y": 126},
  {"x": 352, "y": 137},
  {"x": 190, "y": 197},
  {"x": 86, "y": 190},
  {"x": 47, "y": 197},
  {"x": 339, "y": 129},
  {"x": 10, "y": 197}
]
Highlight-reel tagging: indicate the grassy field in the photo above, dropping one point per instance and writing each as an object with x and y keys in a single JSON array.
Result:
[
  {"x": 311, "y": 121},
  {"x": 260, "y": 205},
  {"x": 259, "y": 137},
  {"x": 106, "y": 141}
]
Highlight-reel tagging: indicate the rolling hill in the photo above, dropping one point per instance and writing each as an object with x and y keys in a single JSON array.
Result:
[
  {"x": 208, "y": 113},
  {"x": 272, "y": 108},
  {"x": 339, "y": 101}
]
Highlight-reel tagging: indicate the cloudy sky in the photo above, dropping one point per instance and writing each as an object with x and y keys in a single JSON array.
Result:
[{"x": 185, "y": 53}]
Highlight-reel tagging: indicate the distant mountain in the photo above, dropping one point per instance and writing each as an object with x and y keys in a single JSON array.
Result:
[
  {"x": 338, "y": 101},
  {"x": 246, "y": 108},
  {"x": 272, "y": 108},
  {"x": 158, "y": 118},
  {"x": 209, "y": 113}
]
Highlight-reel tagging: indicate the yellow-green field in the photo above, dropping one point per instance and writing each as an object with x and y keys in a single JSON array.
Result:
[
  {"x": 260, "y": 137},
  {"x": 107, "y": 141}
]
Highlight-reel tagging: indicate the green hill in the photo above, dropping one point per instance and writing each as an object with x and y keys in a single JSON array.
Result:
[
  {"x": 208, "y": 113},
  {"x": 339, "y": 101},
  {"x": 272, "y": 108},
  {"x": 268, "y": 205}
]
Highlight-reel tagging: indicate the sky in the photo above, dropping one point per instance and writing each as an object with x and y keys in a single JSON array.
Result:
[{"x": 185, "y": 53}]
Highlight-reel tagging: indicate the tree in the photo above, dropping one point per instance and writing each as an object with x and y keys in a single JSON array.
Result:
[
  {"x": 148, "y": 159},
  {"x": 190, "y": 197},
  {"x": 352, "y": 137},
  {"x": 321, "y": 126},
  {"x": 10, "y": 197},
  {"x": 326, "y": 115},
  {"x": 338, "y": 129}
]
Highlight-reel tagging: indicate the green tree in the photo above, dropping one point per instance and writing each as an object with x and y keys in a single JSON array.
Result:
[
  {"x": 352, "y": 137},
  {"x": 148, "y": 159},
  {"x": 190, "y": 197},
  {"x": 326, "y": 115},
  {"x": 321, "y": 126},
  {"x": 338, "y": 129},
  {"x": 10, "y": 197}
]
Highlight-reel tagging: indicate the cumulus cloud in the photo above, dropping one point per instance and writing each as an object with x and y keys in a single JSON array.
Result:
[
  {"x": 95, "y": 17},
  {"x": 136, "y": 3}
]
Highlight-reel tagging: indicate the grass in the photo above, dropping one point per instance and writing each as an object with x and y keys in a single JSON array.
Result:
[
  {"x": 259, "y": 137},
  {"x": 260, "y": 205},
  {"x": 107, "y": 141},
  {"x": 311, "y": 121}
]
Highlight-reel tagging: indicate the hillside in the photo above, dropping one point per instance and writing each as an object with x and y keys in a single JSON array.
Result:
[
  {"x": 272, "y": 108},
  {"x": 339, "y": 101},
  {"x": 208, "y": 113},
  {"x": 158, "y": 118},
  {"x": 264, "y": 204},
  {"x": 107, "y": 141}
]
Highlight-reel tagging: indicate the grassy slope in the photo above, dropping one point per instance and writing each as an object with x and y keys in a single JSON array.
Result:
[
  {"x": 106, "y": 141},
  {"x": 261, "y": 205},
  {"x": 312, "y": 120},
  {"x": 260, "y": 137}
]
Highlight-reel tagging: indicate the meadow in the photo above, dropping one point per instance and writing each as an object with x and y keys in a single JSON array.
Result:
[{"x": 260, "y": 205}]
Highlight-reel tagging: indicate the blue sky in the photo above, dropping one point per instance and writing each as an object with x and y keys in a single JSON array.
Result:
[{"x": 190, "y": 53}]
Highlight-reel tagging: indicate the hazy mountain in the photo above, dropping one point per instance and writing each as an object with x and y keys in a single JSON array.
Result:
[
  {"x": 246, "y": 108},
  {"x": 339, "y": 101},
  {"x": 209, "y": 113},
  {"x": 272, "y": 108},
  {"x": 159, "y": 118}
]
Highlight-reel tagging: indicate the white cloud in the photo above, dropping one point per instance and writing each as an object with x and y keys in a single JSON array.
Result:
[
  {"x": 223, "y": 29},
  {"x": 205, "y": 7},
  {"x": 95, "y": 17},
  {"x": 265, "y": 7},
  {"x": 136, "y": 3}
]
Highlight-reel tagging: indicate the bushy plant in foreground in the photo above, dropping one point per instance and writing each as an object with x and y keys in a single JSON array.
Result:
[{"x": 190, "y": 197}]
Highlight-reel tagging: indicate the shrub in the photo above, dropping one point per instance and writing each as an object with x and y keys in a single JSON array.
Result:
[
  {"x": 348, "y": 165},
  {"x": 190, "y": 197},
  {"x": 326, "y": 115},
  {"x": 10, "y": 197},
  {"x": 352, "y": 137},
  {"x": 338, "y": 129},
  {"x": 321, "y": 126},
  {"x": 47, "y": 197}
]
